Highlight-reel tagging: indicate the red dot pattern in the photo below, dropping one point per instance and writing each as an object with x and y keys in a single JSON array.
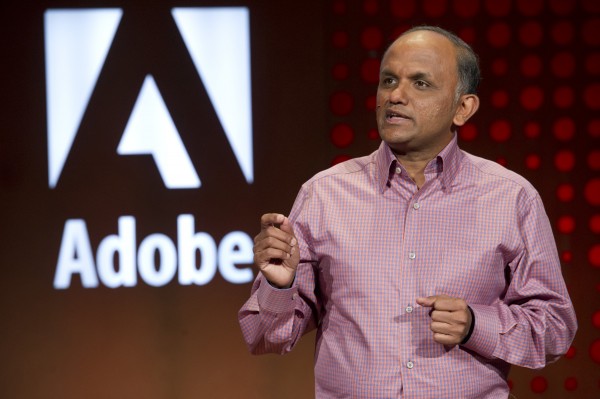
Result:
[{"x": 540, "y": 98}]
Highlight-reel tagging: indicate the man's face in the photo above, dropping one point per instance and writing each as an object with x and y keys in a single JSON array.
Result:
[{"x": 416, "y": 96}]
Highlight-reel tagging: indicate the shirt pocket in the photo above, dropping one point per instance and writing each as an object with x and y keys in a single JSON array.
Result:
[{"x": 475, "y": 275}]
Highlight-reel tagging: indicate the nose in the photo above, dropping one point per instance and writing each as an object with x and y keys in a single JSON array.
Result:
[{"x": 398, "y": 95}]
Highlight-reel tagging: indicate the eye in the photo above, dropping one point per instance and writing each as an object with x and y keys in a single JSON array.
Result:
[
  {"x": 421, "y": 84},
  {"x": 387, "y": 81}
]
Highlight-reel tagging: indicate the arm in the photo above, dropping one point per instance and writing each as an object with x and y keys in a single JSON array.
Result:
[
  {"x": 282, "y": 306},
  {"x": 534, "y": 323}
]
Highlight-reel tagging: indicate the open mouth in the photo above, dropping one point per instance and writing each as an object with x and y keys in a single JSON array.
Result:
[{"x": 395, "y": 116}]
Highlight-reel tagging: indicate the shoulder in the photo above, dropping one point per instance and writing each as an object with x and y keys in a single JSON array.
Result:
[{"x": 491, "y": 174}]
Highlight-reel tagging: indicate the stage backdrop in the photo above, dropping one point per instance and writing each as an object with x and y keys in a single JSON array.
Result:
[{"x": 141, "y": 141}]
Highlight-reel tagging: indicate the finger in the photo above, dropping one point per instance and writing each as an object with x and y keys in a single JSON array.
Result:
[
  {"x": 272, "y": 242},
  {"x": 445, "y": 339},
  {"x": 267, "y": 256},
  {"x": 287, "y": 226},
  {"x": 427, "y": 301},
  {"x": 270, "y": 219},
  {"x": 272, "y": 232},
  {"x": 454, "y": 318},
  {"x": 450, "y": 304}
]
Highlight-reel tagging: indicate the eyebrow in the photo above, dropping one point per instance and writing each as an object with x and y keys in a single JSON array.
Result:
[{"x": 413, "y": 76}]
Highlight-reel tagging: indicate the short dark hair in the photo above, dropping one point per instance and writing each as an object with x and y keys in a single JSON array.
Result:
[{"x": 467, "y": 62}]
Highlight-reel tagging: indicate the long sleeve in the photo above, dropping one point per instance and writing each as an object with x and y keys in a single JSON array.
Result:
[
  {"x": 273, "y": 320},
  {"x": 534, "y": 323}
]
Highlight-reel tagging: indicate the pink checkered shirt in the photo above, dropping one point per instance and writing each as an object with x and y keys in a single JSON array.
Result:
[{"x": 371, "y": 243}]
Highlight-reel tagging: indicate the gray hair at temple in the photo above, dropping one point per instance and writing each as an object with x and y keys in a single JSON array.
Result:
[{"x": 467, "y": 61}]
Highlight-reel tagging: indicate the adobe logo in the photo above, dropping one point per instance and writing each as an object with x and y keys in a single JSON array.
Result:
[{"x": 77, "y": 42}]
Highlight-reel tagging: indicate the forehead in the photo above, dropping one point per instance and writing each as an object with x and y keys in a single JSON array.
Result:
[{"x": 425, "y": 50}]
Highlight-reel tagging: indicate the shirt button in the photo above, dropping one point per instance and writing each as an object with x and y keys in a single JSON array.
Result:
[
  {"x": 416, "y": 205},
  {"x": 398, "y": 170},
  {"x": 409, "y": 309},
  {"x": 410, "y": 364},
  {"x": 412, "y": 255}
]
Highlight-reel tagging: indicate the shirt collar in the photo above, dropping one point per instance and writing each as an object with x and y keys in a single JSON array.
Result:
[{"x": 446, "y": 164}]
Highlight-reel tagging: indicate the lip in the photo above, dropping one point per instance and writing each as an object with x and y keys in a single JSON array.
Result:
[{"x": 394, "y": 116}]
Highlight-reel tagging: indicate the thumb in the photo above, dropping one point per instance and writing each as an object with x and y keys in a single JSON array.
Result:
[
  {"x": 287, "y": 226},
  {"x": 427, "y": 301}
]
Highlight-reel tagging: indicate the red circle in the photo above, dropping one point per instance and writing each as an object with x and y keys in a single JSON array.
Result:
[
  {"x": 564, "y": 161},
  {"x": 497, "y": 8},
  {"x": 571, "y": 384},
  {"x": 373, "y": 134},
  {"x": 595, "y": 224},
  {"x": 340, "y": 158},
  {"x": 498, "y": 35},
  {"x": 434, "y": 8},
  {"x": 592, "y": 64},
  {"x": 563, "y": 64},
  {"x": 591, "y": 96},
  {"x": 530, "y": 7},
  {"x": 596, "y": 319},
  {"x": 531, "y": 65},
  {"x": 369, "y": 70},
  {"x": 566, "y": 224},
  {"x": 371, "y": 38},
  {"x": 468, "y": 35},
  {"x": 342, "y": 135},
  {"x": 500, "y": 131},
  {"x": 532, "y": 130},
  {"x": 533, "y": 161},
  {"x": 593, "y": 160},
  {"x": 571, "y": 352},
  {"x": 340, "y": 39},
  {"x": 594, "y": 255},
  {"x": 500, "y": 99},
  {"x": 561, "y": 7},
  {"x": 468, "y": 132},
  {"x": 592, "y": 191},
  {"x": 499, "y": 66},
  {"x": 594, "y": 128},
  {"x": 564, "y": 129},
  {"x": 341, "y": 103},
  {"x": 564, "y": 96},
  {"x": 595, "y": 351},
  {"x": 501, "y": 161},
  {"x": 531, "y": 33},
  {"x": 566, "y": 256},
  {"x": 370, "y": 7},
  {"x": 590, "y": 33},
  {"x": 403, "y": 8},
  {"x": 538, "y": 384},
  {"x": 466, "y": 8},
  {"x": 339, "y": 7},
  {"x": 340, "y": 71},
  {"x": 563, "y": 32},
  {"x": 371, "y": 103},
  {"x": 565, "y": 192},
  {"x": 532, "y": 98}
]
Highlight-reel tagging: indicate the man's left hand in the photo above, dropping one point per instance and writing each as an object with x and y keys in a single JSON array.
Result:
[{"x": 450, "y": 318}]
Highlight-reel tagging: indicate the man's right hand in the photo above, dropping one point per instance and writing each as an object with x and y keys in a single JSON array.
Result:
[{"x": 276, "y": 252}]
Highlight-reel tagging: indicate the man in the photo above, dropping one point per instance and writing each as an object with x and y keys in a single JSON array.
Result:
[{"x": 427, "y": 271}]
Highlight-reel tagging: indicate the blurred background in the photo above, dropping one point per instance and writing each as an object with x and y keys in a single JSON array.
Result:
[{"x": 117, "y": 282}]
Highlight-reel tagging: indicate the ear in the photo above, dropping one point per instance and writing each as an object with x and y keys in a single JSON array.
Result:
[{"x": 468, "y": 104}]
